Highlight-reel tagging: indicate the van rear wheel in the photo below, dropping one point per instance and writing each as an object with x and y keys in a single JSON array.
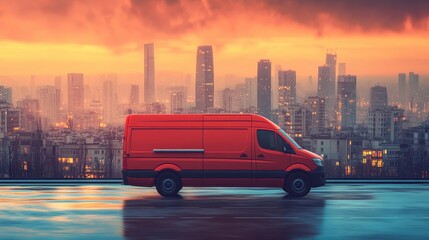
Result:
[
  {"x": 168, "y": 184},
  {"x": 297, "y": 184}
]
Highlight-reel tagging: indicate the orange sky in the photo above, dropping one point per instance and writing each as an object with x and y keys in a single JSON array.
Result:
[{"x": 381, "y": 37}]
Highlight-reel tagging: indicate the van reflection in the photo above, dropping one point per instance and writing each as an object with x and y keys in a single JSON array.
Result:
[{"x": 227, "y": 217}]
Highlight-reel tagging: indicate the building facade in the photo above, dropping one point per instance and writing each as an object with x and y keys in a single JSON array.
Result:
[{"x": 204, "y": 80}]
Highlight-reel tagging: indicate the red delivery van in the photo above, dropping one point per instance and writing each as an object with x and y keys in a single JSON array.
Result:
[{"x": 248, "y": 150}]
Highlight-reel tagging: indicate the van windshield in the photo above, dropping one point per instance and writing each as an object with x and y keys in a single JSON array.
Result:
[{"x": 289, "y": 138}]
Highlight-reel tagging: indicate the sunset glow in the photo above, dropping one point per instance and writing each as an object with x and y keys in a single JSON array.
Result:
[{"x": 55, "y": 37}]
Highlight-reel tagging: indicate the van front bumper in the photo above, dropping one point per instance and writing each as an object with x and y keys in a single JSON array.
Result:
[{"x": 317, "y": 177}]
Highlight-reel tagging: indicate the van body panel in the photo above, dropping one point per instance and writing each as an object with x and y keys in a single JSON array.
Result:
[{"x": 227, "y": 150}]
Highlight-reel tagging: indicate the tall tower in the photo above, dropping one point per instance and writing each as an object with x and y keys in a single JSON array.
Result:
[
  {"x": 75, "y": 93},
  {"x": 49, "y": 100},
  {"x": 402, "y": 89},
  {"x": 110, "y": 99},
  {"x": 287, "y": 88},
  {"x": 204, "y": 80},
  {"x": 331, "y": 62},
  {"x": 134, "y": 95},
  {"x": 346, "y": 101},
  {"x": 264, "y": 88},
  {"x": 317, "y": 116},
  {"x": 324, "y": 82},
  {"x": 251, "y": 92},
  {"x": 378, "y": 98},
  {"x": 413, "y": 84},
  {"x": 149, "y": 73}
]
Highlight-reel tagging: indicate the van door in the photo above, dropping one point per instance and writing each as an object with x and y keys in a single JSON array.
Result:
[
  {"x": 227, "y": 157},
  {"x": 271, "y": 158}
]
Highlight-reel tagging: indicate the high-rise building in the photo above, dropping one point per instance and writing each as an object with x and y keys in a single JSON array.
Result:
[
  {"x": 317, "y": 115},
  {"x": 110, "y": 99},
  {"x": 30, "y": 114},
  {"x": 293, "y": 119},
  {"x": 346, "y": 101},
  {"x": 264, "y": 88},
  {"x": 402, "y": 89},
  {"x": 49, "y": 102},
  {"x": 251, "y": 92},
  {"x": 324, "y": 84},
  {"x": 178, "y": 101},
  {"x": 413, "y": 81},
  {"x": 378, "y": 98},
  {"x": 386, "y": 123},
  {"x": 75, "y": 93},
  {"x": 5, "y": 94},
  {"x": 10, "y": 117},
  {"x": 57, "y": 85},
  {"x": 331, "y": 62},
  {"x": 134, "y": 95},
  {"x": 204, "y": 81},
  {"x": 287, "y": 88},
  {"x": 342, "y": 69},
  {"x": 149, "y": 73},
  {"x": 227, "y": 99},
  {"x": 239, "y": 98}
]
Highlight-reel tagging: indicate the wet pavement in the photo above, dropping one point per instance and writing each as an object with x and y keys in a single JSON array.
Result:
[{"x": 113, "y": 211}]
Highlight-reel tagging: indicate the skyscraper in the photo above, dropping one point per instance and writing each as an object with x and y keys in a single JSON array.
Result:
[
  {"x": 346, "y": 92},
  {"x": 413, "y": 81},
  {"x": 149, "y": 73},
  {"x": 327, "y": 83},
  {"x": 110, "y": 99},
  {"x": 331, "y": 62},
  {"x": 134, "y": 95},
  {"x": 204, "y": 81},
  {"x": 178, "y": 96},
  {"x": 287, "y": 88},
  {"x": 402, "y": 89},
  {"x": 75, "y": 93},
  {"x": 49, "y": 102},
  {"x": 378, "y": 98},
  {"x": 264, "y": 88},
  {"x": 323, "y": 82},
  {"x": 317, "y": 117},
  {"x": 251, "y": 92},
  {"x": 5, "y": 94}
]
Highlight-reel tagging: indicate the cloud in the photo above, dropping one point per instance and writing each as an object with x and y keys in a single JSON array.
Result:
[{"x": 119, "y": 23}]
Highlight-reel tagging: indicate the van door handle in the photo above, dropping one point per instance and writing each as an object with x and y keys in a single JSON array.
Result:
[
  {"x": 260, "y": 156},
  {"x": 243, "y": 155}
]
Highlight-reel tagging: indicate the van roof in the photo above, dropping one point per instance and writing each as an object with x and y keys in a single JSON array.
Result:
[{"x": 135, "y": 118}]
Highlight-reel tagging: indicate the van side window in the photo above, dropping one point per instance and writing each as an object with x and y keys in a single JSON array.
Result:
[
  {"x": 266, "y": 139},
  {"x": 272, "y": 141},
  {"x": 281, "y": 144}
]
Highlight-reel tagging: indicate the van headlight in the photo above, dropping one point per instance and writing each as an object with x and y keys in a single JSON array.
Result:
[{"x": 318, "y": 162}]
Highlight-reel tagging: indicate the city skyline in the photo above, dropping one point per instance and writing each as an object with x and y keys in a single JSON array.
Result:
[{"x": 57, "y": 37}]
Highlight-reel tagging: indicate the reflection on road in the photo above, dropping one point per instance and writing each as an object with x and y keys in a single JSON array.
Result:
[
  {"x": 336, "y": 211},
  {"x": 238, "y": 217}
]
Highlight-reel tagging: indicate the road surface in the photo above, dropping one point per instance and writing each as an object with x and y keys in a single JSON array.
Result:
[{"x": 114, "y": 211}]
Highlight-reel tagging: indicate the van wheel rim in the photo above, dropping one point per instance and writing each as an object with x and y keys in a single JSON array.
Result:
[
  {"x": 168, "y": 184},
  {"x": 298, "y": 185}
]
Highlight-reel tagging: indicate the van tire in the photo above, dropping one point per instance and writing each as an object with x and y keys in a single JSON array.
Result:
[
  {"x": 297, "y": 184},
  {"x": 168, "y": 184}
]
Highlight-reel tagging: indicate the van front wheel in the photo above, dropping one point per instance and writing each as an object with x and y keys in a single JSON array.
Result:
[
  {"x": 168, "y": 184},
  {"x": 297, "y": 184}
]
